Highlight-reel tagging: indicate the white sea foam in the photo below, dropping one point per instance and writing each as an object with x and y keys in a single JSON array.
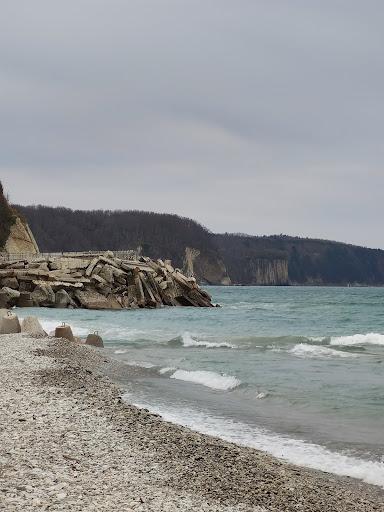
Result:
[
  {"x": 312, "y": 351},
  {"x": 295, "y": 451},
  {"x": 141, "y": 364},
  {"x": 120, "y": 351},
  {"x": 261, "y": 395},
  {"x": 189, "y": 341},
  {"x": 317, "y": 339},
  {"x": 371, "y": 338},
  {"x": 167, "y": 369},
  {"x": 209, "y": 379}
]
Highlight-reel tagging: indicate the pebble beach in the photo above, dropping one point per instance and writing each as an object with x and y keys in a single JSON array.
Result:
[{"x": 68, "y": 442}]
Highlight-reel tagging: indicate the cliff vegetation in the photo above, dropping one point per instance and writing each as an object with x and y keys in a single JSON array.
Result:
[{"x": 7, "y": 218}]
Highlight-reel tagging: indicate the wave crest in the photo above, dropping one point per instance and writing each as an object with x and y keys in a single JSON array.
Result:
[
  {"x": 312, "y": 351},
  {"x": 188, "y": 341},
  {"x": 206, "y": 378},
  {"x": 371, "y": 338}
]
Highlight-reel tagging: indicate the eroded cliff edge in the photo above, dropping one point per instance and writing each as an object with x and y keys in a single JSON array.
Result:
[{"x": 15, "y": 234}]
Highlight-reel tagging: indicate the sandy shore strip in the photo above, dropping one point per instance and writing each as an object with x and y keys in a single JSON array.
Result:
[{"x": 68, "y": 442}]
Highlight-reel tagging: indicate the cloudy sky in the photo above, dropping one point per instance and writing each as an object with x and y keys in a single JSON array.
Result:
[{"x": 249, "y": 116}]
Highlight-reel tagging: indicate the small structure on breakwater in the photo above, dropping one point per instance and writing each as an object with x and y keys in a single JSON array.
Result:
[{"x": 97, "y": 281}]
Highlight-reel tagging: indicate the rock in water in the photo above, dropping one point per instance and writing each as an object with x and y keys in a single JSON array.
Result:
[
  {"x": 64, "y": 331},
  {"x": 9, "y": 324},
  {"x": 94, "y": 340},
  {"x": 31, "y": 325}
]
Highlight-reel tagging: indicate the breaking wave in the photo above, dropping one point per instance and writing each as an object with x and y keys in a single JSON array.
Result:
[
  {"x": 209, "y": 379},
  {"x": 371, "y": 338},
  {"x": 187, "y": 340},
  {"x": 312, "y": 351}
]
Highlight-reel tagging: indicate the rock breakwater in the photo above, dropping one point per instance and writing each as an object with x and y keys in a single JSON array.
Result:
[{"x": 97, "y": 282}]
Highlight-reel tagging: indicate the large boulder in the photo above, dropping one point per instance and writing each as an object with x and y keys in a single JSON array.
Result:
[
  {"x": 43, "y": 295},
  {"x": 63, "y": 300},
  {"x": 10, "y": 295},
  {"x": 31, "y": 325},
  {"x": 10, "y": 282},
  {"x": 107, "y": 273},
  {"x": 4, "y": 299},
  {"x": 24, "y": 301},
  {"x": 90, "y": 299}
]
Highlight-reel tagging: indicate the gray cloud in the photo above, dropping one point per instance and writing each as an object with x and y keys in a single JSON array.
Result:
[{"x": 251, "y": 116}]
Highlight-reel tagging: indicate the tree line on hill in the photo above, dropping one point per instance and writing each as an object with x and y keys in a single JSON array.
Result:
[{"x": 244, "y": 258}]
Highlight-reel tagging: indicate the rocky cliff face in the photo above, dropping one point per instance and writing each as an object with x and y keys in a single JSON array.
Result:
[
  {"x": 21, "y": 239},
  {"x": 15, "y": 235},
  {"x": 206, "y": 267},
  {"x": 265, "y": 272}
]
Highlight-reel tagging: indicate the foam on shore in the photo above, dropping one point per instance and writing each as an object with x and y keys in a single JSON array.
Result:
[{"x": 295, "y": 451}]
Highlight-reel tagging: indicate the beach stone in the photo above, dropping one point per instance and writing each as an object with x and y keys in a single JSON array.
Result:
[
  {"x": 64, "y": 331},
  {"x": 31, "y": 325},
  {"x": 95, "y": 340},
  {"x": 9, "y": 324}
]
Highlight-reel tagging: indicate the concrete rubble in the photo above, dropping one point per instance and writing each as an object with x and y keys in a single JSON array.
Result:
[{"x": 101, "y": 282}]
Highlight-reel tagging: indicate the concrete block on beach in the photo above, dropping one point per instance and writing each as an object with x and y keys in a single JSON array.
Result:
[
  {"x": 95, "y": 340},
  {"x": 31, "y": 325},
  {"x": 9, "y": 324},
  {"x": 64, "y": 331}
]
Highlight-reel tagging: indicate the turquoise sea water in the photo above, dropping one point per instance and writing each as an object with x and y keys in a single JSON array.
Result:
[{"x": 297, "y": 372}]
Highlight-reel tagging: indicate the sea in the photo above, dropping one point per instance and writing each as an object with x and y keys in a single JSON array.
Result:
[{"x": 297, "y": 372}]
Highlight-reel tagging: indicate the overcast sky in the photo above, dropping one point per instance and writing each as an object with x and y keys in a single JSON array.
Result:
[{"x": 247, "y": 115}]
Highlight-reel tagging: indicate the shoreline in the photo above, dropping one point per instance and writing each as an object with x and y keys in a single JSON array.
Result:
[{"x": 69, "y": 442}]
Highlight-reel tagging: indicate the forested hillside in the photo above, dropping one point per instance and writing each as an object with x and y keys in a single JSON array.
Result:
[
  {"x": 307, "y": 261},
  {"x": 62, "y": 229},
  {"x": 155, "y": 235},
  {"x": 216, "y": 259}
]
